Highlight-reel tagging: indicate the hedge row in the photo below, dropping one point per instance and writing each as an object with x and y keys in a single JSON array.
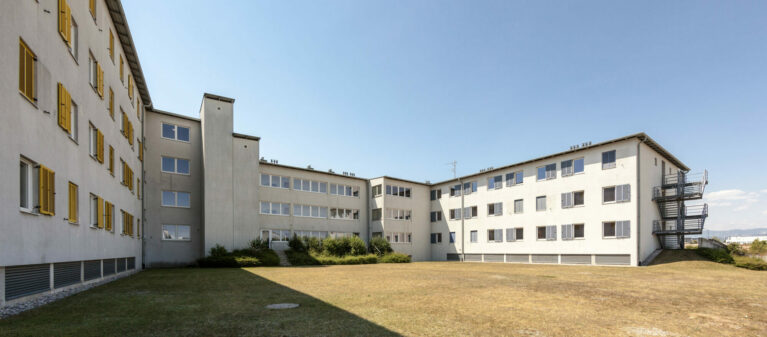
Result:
[
  {"x": 254, "y": 256},
  {"x": 311, "y": 259}
]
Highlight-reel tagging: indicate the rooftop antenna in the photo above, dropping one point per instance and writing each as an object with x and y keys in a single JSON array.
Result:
[{"x": 454, "y": 164}]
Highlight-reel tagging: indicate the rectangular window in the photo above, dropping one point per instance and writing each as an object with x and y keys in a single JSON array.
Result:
[
  {"x": 436, "y": 216},
  {"x": 540, "y": 203},
  {"x": 111, "y": 107},
  {"x": 469, "y": 187},
  {"x": 275, "y": 181},
  {"x": 436, "y": 237},
  {"x": 276, "y": 208},
  {"x": 376, "y": 214},
  {"x": 436, "y": 194},
  {"x": 608, "y": 160},
  {"x": 25, "y": 185},
  {"x": 176, "y": 233},
  {"x": 175, "y": 165},
  {"x": 452, "y": 237},
  {"x": 578, "y": 166},
  {"x": 470, "y": 212},
  {"x": 572, "y": 199},
  {"x": 572, "y": 231},
  {"x": 175, "y": 132},
  {"x": 65, "y": 21},
  {"x": 64, "y": 107},
  {"x": 494, "y": 183},
  {"x": 518, "y": 206},
  {"x": 495, "y": 209},
  {"x": 73, "y": 204},
  {"x": 514, "y": 178},
  {"x": 96, "y": 211},
  {"x": 27, "y": 67},
  {"x": 616, "y": 229},
  {"x": 548, "y": 233},
  {"x": 547, "y": 172},
  {"x": 111, "y": 45},
  {"x": 572, "y": 166},
  {"x": 176, "y": 199},
  {"x": 109, "y": 218},
  {"x": 47, "y": 189},
  {"x": 495, "y": 235},
  {"x": 309, "y": 211},
  {"x": 455, "y": 190},
  {"x": 514, "y": 234},
  {"x": 455, "y": 214},
  {"x": 121, "y": 69},
  {"x": 376, "y": 190},
  {"x": 620, "y": 193},
  {"x": 473, "y": 236}
]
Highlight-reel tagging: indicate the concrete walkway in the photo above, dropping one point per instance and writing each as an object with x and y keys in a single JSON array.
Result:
[{"x": 283, "y": 258}]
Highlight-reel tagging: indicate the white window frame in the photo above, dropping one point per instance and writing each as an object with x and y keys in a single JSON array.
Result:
[
  {"x": 280, "y": 180},
  {"x": 175, "y": 199},
  {"x": 497, "y": 209},
  {"x": 513, "y": 180},
  {"x": 551, "y": 233},
  {"x": 473, "y": 236},
  {"x": 610, "y": 165},
  {"x": 544, "y": 203},
  {"x": 30, "y": 185},
  {"x": 497, "y": 235},
  {"x": 511, "y": 234},
  {"x": 619, "y": 191},
  {"x": 175, "y": 166},
  {"x": 496, "y": 185},
  {"x": 93, "y": 202},
  {"x": 175, "y": 132},
  {"x": 622, "y": 229},
  {"x": 175, "y": 231}
]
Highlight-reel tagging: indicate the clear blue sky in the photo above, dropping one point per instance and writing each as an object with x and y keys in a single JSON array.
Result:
[{"x": 485, "y": 83}]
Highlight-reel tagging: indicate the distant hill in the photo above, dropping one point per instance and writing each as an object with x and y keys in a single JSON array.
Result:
[{"x": 723, "y": 234}]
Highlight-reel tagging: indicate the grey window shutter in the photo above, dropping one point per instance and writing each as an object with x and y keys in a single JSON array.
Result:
[
  {"x": 627, "y": 229},
  {"x": 626, "y": 192}
]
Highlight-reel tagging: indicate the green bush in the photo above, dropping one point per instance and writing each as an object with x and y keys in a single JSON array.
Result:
[
  {"x": 349, "y": 259},
  {"x": 314, "y": 245},
  {"x": 758, "y": 247},
  {"x": 268, "y": 257},
  {"x": 301, "y": 258},
  {"x": 335, "y": 247},
  {"x": 218, "y": 251},
  {"x": 217, "y": 262},
  {"x": 716, "y": 255},
  {"x": 394, "y": 258},
  {"x": 736, "y": 249},
  {"x": 750, "y": 263},
  {"x": 297, "y": 244},
  {"x": 380, "y": 246},
  {"x": 356, "y": 246},
  {"x": 259, "y": 244},
  {"x": 247, "y": 261}
]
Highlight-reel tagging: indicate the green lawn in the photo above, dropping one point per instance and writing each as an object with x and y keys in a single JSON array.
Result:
[{"x": 673, "y": 298}]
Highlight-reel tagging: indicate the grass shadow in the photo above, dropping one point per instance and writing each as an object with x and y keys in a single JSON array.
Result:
[
  {"x": 678, "y": 255},
  {"x": 184, "y": 301}
]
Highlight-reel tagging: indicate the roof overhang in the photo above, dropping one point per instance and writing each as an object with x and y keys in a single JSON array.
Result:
[{"x": 115, "y": 9}]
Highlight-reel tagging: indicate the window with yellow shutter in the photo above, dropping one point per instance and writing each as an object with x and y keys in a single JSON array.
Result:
[
  {"x": 109, "y": 213},
  {"x": 92, "y": 8},
  {"x": 111, "y": 160},
  {"x": 73, "y": 214},
  {"x": 64, "y": 108},
  {"x": 65, "y": 22},
  {"x": 140, "y": 151},
  {"x": 27, "y": 61},
  {"x": 111, "y": 103},
  {"x": 130, "y": 87},
  {"x": 98, "y": 222},
  {"x": 111, "y": 45},
  {"x": 47, "y": 190},
  {"x": 100, "y": 80},
  {"x": 121, "y": 69},
  {"x": 100, "y": 146}
]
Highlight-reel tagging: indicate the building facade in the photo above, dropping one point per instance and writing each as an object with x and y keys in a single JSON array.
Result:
[
  {"x": 107, "y": 184},
  {"x": 73, "y": 102}
]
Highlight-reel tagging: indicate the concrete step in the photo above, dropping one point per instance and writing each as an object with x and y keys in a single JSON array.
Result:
[{"x": 283, "y": 258}]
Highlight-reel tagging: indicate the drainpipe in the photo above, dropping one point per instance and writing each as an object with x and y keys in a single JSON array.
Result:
[
  {"x": 463, "y": 237},
  {"x": 639, "y": 200}
]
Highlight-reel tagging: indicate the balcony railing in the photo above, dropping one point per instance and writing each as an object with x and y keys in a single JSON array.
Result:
[{"x": 689, "y": 226}]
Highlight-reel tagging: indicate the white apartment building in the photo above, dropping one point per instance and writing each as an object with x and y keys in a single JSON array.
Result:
[{"x": 107, "y": 184}]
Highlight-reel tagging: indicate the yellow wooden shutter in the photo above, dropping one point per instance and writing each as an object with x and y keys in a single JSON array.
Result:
[
  {"x": 99, "y": 212},
  {"x": 69, "y": 26},
  {"x": 140, "y": 151},
  {"x": 68, "y": 110},
  {"x": 72, "y": 203},
  {"x": 63, "y": 19},
  {"x": 46, "y": 191},
  {"x": 121, "y": 68},
  {"x": 52, "y": 192},
  {"x": 100, "y": 80},
  {"x": 108, "y": 215},
  {"x": 100, "y": 146},
  {"x": 111, "y": 103},
  {"x": 111, "y": 45},
  {"x": 22, "y": 67},
  {"x": 26, "y": 71},
  {"x": 65, "y": 108},
  {"x": 92, "y": 8},
  {"x": 130, "y": 133},
  {"x": 130, "y": 87},
  {"x": 111, "y": 160}
]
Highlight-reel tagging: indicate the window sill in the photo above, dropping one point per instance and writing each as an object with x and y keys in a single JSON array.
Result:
[
  {"x": 167, "y": 206},
  {"x": 30, "y": 100},
  {"x": 177, "y": 173},
  {"x": 177, "y": 140},
  {"x": 73, "y": 223},
  {"x": 608, "y": 168},
  {"x": 189, "y": 240},
  {"x": 28, "y": 211}
]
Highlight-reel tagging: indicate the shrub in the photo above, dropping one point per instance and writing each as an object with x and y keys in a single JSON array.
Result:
[
  {"x": 297, "y": 244},
  {"x": 350, "y": 259},
  {"x": 750, "y": 263},
  {"x": 218, "y": 251},
  {"x": 356, "y": 245},
  {"x": 394, "y": 258},
  {"x": 314, "y": 245},
  {"x": 736, "y": 249},
  {"x": 259, "y": 244},
  {"x": 380, "y": 246},
  {"x": 268, "y": 257},
  {"x": 758, "y": 247},
  {"x": 301, "y": 258},
  {"x": 716, "y": 255},
  {"x": 247, "y": 261},
  {"x": 217, "y": 262}
]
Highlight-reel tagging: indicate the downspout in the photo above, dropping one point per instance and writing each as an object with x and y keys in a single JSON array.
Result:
[
  {"x": 639, "y": 200},
  {"x": 463, "y": 237}
]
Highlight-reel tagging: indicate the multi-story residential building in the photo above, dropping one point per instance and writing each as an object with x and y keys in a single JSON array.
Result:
[
  {"x": 73, "y": 102},
  {"x": 138, "y": 186}
]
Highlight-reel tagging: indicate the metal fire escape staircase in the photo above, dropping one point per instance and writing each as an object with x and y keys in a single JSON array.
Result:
[{"x": 677, "y": 218}]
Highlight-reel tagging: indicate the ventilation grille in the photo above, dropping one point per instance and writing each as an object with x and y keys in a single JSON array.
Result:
[
  {"x": 493, "y": 257},
  {"x": 92, "y": 270},
  {"x": 453, "y": 257},
  {"x": 613, "y": 259},
  {"x": 518, "y": 258},
  {"x": 576, "y": 259},
  {"x": 473, "y": 257},
  {"x": 109, "y": 267},
  {"x": 67, "y": 273},
  {"x": 545, "y": 258},
  {"x": 120, "y": 265},
  {"x": 27, "y": 280}
]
